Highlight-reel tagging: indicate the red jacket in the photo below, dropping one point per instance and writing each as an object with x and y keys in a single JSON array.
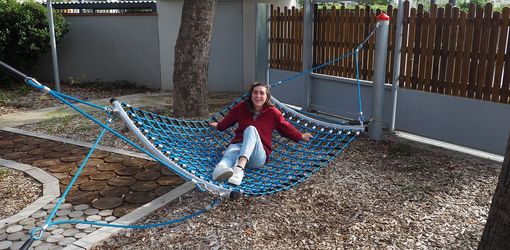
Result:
[{"x": 269, "y": 119}]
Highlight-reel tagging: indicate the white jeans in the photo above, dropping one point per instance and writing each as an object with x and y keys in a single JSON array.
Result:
[{"x": 251, "y": 148}]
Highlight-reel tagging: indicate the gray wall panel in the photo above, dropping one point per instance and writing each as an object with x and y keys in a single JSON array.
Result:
[{"x": 108, "y": 48}]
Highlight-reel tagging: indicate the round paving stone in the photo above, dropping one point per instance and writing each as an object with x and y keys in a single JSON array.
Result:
[
  {"x": 6, "y": 144},
  {"x": 66, "y": 206},
  {"x": 27, "y": 221},
  {"x": 55, "y": 238},
  {"x": 73, "y": 158},
  {"x": 124, "y": 209},
  {"x": 91, "y": 211},
  {"x": 13, "y": 229},
  {"x": 4, "y": 151},
  {"x": 44, "y": 246},
  {"x": 110, "y": 166},
  {"x": 170, "y": 181},
  {"x": 86, "y": 171},
  {"x": 29, "y": 161},
  {"x": 92, "y": 185},
  {"x": 66, "y": 241},
  {"x": 16, "y": 156},
  {"x": 114, "y": 191},
  {"x": 122, "y": 181},
  {"x": 89, "y": 229},
  {"x": 61, "y": 168},
  {"x": 93, "y": 218},
  {"x": 62, "y": 148},
  {"x": 106, "y": 212},
  {"x": 167, "y": 172},
  {"x": 163, "y": 190},
  {"x": 128, "y": 171},
  {"x": 107, "y": 203},
  {"x": 26, "y": 148},
  {"x": 110, "y": 218},
  {"x": 79, "y": 180},
  {"x": 5, "y": 244},
  {"x": 79, "y": 150},
  {"x": 153, "y": 166},
  {"x": 80, "y": 235},
  {"x": 100, "y": 154},
  {"x": 144, "y": 186},
  {"x": 16, "y": 245},
  {"x": 99, "y": 221},
  {"x": 3, "y": 236},
  {"x": 40, "y": 151},
  {"x": 81, "y": 197},
  {"x": 76, "y": 214},
  {"x": 63, "y": 212},
  {"x": 58, "y": 231},
  {"x": 51, "y": 228},
  {"x": 139, "y": 197},
  {"x": 81, "y": 207},
  {"x": 70, "y": 232},
  {"x": 115, "y": 158},
  {"x": 134, "y": 162},
  {"x": 99, "y": 176},
  {"x": 82, "y": 226},
  {"x": 148, "y": 175},
  {"x": 16, "y": 236},
  {"x": 46, "y": 162},
  {"x": 91, "y": 162}
]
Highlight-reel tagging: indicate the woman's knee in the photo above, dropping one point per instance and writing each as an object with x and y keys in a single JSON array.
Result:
[{"x": 250, "y": 129}]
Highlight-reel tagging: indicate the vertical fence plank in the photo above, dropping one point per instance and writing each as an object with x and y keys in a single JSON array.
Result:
[
  {"x": 491, "y": 57},
  {"x": 423, "y": 50},
  {"x": 443, "y": 51},
  {"x": 417, "y": 47},
  {"x": 405, "y": 26},
  {"x": 466, "y": 58},
  {"x": 484, "y": 46},
  {"x": 409, "y": 49},
  {"x": 475, "y": 53},
  {"x": 328, "y": 37},
  {"x": 505, "y": 87},
  {"x": 498, "y": 87},
  {"x": 452, "y": 42},
  {"x": 371, "y": 45},
  {"x": 430, "y": 48},
  {"x": 437, "y": 50},
  {"x": 460, "y": 51},
  {"x": 315, "y": 35}
]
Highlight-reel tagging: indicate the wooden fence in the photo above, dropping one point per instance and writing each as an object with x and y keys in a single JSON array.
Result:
[{"x": 444, "y": 50}]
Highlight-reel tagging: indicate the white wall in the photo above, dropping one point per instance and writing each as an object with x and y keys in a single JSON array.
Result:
[{"x": 169, "y": 21}]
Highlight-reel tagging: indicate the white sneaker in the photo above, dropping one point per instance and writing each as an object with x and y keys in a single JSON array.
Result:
[
  {"x": 222, "y": 173},
  {"x": 237, "y": 176}
]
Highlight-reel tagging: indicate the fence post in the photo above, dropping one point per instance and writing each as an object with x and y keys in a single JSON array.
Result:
[
  {"x": 262, "y": 42},
  {"x": 381, "y": 52},
  {"x": 53, "y": 45},
  {"x": 397, "y": 52},
  {"x": 307, "y": 48}
]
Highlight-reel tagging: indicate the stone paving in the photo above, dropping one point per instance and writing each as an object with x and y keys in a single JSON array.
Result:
[{"x": 110, "y": 186}]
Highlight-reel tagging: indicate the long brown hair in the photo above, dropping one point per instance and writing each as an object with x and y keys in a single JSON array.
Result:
[{"x": 268, "y": 102}]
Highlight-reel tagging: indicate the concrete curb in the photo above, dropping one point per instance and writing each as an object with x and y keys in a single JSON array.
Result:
[{"x": 51, "y": 190}]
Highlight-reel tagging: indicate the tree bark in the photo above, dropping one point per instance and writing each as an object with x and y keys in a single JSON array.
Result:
[
  {"x": 192, "y": 58},
  {"x": 496, "y": 234}
]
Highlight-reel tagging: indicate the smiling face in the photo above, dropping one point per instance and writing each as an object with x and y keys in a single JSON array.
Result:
[{"x": 259, "y": 97}]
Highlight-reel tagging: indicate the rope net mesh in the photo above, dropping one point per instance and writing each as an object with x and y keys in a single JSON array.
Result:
[{"x": 196, "y": 147}]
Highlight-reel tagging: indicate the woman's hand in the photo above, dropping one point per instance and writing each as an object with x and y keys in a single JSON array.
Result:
[
  {"x": 213, "y": 124},
  {"x": 306, "y": 136}
]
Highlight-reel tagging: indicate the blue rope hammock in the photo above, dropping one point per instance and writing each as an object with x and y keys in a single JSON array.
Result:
[{"x": 191, "y": 148}]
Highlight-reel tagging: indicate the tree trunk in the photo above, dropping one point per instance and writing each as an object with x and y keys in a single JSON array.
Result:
[
  {"x": 192, "y": 58},
  {"x": 496, "y": 234}
]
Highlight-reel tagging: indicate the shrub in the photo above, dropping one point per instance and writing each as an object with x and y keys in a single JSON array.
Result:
[{"x": 24, "y": 35}]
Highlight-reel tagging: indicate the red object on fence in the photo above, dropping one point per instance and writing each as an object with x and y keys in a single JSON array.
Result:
[{"x": 383, "y": 17}]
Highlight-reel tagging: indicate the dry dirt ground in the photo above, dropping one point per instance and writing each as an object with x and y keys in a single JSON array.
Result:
[
  {"x": 391, "y": 194},
  {"x": 17, "y": 191}
]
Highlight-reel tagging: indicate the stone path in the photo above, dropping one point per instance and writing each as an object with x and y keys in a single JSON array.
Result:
[{"x": 110, "y": 186}]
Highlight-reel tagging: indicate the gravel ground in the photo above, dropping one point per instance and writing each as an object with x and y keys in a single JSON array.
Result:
[
  {"x": 391, "y": 194},
  {"x": 17, "y": 191}
]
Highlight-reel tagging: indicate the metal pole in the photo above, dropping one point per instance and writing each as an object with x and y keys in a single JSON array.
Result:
[
  {"x": 381, "y": 53},
  {"x": 307, "y": 48},
  {"x": 396, "y": 62},
  {"x": 53, "y": 45},
  {"x": 261, "y": 42}
]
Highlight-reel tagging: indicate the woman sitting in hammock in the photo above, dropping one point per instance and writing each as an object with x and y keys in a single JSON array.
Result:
[{"x": 251, "y": 146}]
